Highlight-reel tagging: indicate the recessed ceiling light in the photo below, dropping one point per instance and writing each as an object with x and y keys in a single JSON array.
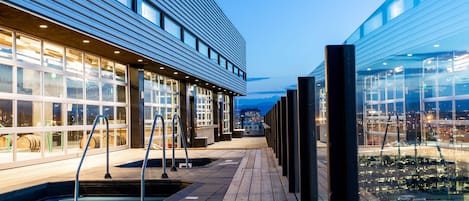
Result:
[
  {"x": 187, "y": 77},
  {"x": 43, "y": 26},
  {"x": 206, "y": 83},
  {"x": 140, "y": 60},
  {"x": 86, "y": 41},
  {"x": 175, "y": 73},
  {"x": 231, "y": 92},
  {"x": 117, "y": 52},
  {"x": 213, "y": 86},
  {"x": 436, "y": 45},
  {"x": 224, "y": 89},
  {"x": 196, "y": 80},
  {"x": 384, "y": 63},
  {"x": 368, "y": 69},
  {"x": 161, "y": 68},
  {"x": 409, "y": 55},
  {"x": 219, "y": 88}
]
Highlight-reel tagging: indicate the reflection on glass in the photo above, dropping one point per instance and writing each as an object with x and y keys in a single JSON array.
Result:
[
  {"x": 6, "y": 148},
  {"x": 222, "y": 62},
  {"x": 373, "y": 23},
  {"x": 54, "y": 143},
  {"x": 108, "y": 92},
  {"x": 190, "y": 39},
  {"x": 109, "y": 112},
  {"x": 75, "y": 141},
  {"x": 28, "y": 146},
  {"x": 6, "y": 113},
  {"x": 92, "y": 111},
  {"x": 28, "y": 81},
  {"x": 107, "y": 69},
  {"x": 127, "y": 3},
  {"x": 53, "y": 85},
  {"x": 121, "y": 136},
  {"x": 172, "y": 27},
  {"x": 75, "y": 114},
  {"x": 74, "y": 61},
  {"x": 6, "y": 43},
  {"x": 203, "y": 48},
  {"x": 213, "y": 56},
  {"x": 112, "y": 138},
  {"x": 151, "y": 13},
  {"x": 6, "y": 80},
  {"x": 121, "y": 117},
  {"x": 91, "y": 65},
  {"x": 74, "y": 88},
  {"x": 29, "y": 113},
  {"x": 53, "y": 114},
  {"x": 53, "y": 56},
  {"x": 121, "y": 72},
  {"x": 28, "y": 49},
  {"x": 92, "y": 90},
  {"x": 230, "y": 67},
  {"x": 121, "y": 94}
]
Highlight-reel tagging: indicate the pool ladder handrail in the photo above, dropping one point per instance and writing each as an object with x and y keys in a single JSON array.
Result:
[
  {"x": 173, "y": 168},
  {"x": 144, "y": 165},
  {"x": 107, "y": 175}
]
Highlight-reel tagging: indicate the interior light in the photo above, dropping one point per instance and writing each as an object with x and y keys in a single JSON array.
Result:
[
  {"x": 213, "y": 86},
  {"x": 196, "y": 80},
  {"x": 86, "y": 41},
  {"x": 117, "y": 52},
  {"x": 219, "y": 88},
  {"x": 43, "y": 26},
  {"x": 206, "y": 83}
]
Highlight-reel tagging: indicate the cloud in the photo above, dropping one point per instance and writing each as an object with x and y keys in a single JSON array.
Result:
[{"x": 253, "y": 79}]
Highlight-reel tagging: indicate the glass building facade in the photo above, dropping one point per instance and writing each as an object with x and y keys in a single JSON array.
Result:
[{"x": 412, "y": 67}]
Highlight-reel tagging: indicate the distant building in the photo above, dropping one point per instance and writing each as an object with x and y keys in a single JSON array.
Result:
[{"x": 252, "y": 121}]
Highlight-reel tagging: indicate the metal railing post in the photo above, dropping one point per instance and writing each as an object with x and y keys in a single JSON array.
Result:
[{"x": 173, "y": 168}]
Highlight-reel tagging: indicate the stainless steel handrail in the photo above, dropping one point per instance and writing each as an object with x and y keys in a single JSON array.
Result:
[
  {"x": 107, "y": 175},
  {"x": 144, "y": 165},
  {"x": 173, "y": 168}
]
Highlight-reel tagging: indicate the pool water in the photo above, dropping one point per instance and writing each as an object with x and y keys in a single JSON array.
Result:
[{"x": 97, "y": 198}]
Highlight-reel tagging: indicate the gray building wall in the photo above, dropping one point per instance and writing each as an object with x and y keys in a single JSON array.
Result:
[{"x": 113, "y": 23}]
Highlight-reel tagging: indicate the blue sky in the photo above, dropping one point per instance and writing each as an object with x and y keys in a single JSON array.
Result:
[{"x": 286, "y": 39}]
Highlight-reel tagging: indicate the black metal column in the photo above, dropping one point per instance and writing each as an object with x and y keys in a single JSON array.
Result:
[
  {"x": 342, "y": 136},
  {"x": 137, "y": 132},
  {"x": 292, "y": 139},
  {"x": 283, "y": 136},
  {"x": 277, "y": 139},
  {"x": 307, "y": 139},
  {"x": 279, "y": 132}
]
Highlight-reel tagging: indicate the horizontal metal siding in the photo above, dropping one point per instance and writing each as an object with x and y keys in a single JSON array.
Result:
[
  {"x": 116, "y": 24},
  {"x": 205, "y": 19}
]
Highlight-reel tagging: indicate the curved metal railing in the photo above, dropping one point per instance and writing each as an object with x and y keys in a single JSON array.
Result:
[
  {"x": 144, "y": 165},
  {"x": 107, "y": 175},
  {"x": 173, "y": 168}
]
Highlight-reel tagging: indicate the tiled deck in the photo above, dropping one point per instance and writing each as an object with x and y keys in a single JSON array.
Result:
[{"x": 245, "y": 170}]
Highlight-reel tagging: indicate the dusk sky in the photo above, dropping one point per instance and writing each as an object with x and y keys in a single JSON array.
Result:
[{"x": 286, "y": 39}]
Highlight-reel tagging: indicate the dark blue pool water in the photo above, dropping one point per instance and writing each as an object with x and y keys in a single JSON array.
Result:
[
  {"x": 196, "y": 162},
  {"x": 107, "y": 199}
]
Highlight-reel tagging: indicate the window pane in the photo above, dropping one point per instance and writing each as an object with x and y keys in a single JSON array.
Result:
[
  {"x": 91, "y": 112},
  {"x": 108, "y": 92},
  {"x": 73, "y": 141},
  {"x": 28, "y": 81},
  {"x": 230, "y": 67},
  {"x": 121, "y": 136},
  {"x": 151, "y": 13},
  {"x": 373, "y": 23},
  {"x": 190, "y": 39},
  {"x": 222, "y": 62},
  {"x": 203, "y": 48},
  {"x": 109, "y": 112},
  {"x": 28, "y": 49},
  {"x": 120, "y": 72},
  {"x": 53, "y": 85},
  {"x": 172, "y": 27},
  {"x": 28, "y": 146},
  {"x": 121, "y": 115},
  {"x": 213, "y": 56},
  {"x": 127, "y": 3},
  {"x": 74, "y": 61},
  {"x": 6, "y": 81},
  {"x": 121, "y": 94},
  {"x": 107, "y": 69},
  {"x": 74, "y": 88},
  {"x": 92, "y": 90},
  {"x": 53, "y": 56},
  {"x": 6, "y": 42},
  {"x": 6, "y": 113},
  {"x": 75, "y": 114},
  {"x": 53, "y": 114},
  {"x": 29, "y": 113},
  {"x": 91, "y": 65}
]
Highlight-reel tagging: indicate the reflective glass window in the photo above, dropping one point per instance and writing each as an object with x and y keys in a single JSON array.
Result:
[
  {"x": 53, "y": 56},
  {"x": 230, "y": 67},
  {"x": 222, "y": 62},
  {"x": 75, "y": 141},
  {"x": 121, "y": 94},
  {"x": 121, "y": 72},
  {"x": 203, "y": 48},
  {"x": 74, "y": 88},
  {"x": 28, "y": 146},
  {"x": 446, "y": 110},
  {"x": 91, "y": 65},
  {"x": 75, "y": 114},
  {"x": 6, "y": 78},
  {"x": 213, "y": 56},
  {"x": 172, "y": 27},
  {"x": 127, "y": 3},
  {"x": 29, "y": 113},
  {"x": 108, "y": 92},
  {"x": 28, "y": 81},
  {"x": 74, "y": 60},
  {"x": 397, "y": 7},
  {"x": 53, "y": 85},
  {"x": 28, "y": 49},
  {"x": 121, "y": 117},
  {"x": 373, "y": 23},
  {"x": 92, "y": 90},
  {"x": 109, "y": 112},
  {"x": 107, "y": 69},
  {"x": 151, "y": 13},
  {"x": 190, "y": 39},
  {"x": 6, "y": 113},
  {"x": 53, "y": 114},
  {"x": 6, "y": 44},
  {"x": 92, "y": 111}
]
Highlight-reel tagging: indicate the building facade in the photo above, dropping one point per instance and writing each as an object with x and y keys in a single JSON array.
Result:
[{"x": 63, "y": 63}]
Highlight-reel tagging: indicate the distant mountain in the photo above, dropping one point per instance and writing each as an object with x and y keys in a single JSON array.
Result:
[{"x": 263, "y": 104}]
